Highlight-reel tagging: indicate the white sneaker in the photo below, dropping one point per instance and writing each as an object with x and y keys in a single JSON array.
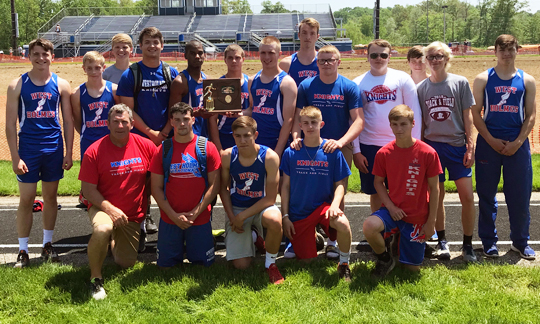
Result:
[{"x": 97, "y": 290}]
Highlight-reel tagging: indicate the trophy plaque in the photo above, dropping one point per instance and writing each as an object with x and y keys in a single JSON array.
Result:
[{"x": 222, "y": 95}]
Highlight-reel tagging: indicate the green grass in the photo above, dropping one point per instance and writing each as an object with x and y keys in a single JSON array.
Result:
[
  {"x": 312, "y": 293},
  {"x": 70, "y": 186}
]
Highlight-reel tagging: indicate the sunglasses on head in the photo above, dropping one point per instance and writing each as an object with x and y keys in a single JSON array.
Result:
[{"x": 374, "y": 56}]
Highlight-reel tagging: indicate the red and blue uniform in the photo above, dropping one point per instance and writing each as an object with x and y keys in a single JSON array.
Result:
[
  {"x": 40, "y": 134},
  {"x": 94, "y": 113},
  {"x": 225, "y": 124},
  {"x": 267, "y": 108},
  {"x": 300, "y": 72},
  {"x": 504, "y": 115},
  {"x": 248, "y": 184},
  {"x": 194, "y": 98}
]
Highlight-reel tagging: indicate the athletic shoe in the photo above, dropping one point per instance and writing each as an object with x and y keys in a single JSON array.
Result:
[
  {"x": 96, "y": 289},
  {"x": 383, "y": 268},
  {"x": 467, "y": 252},
  {"x": 259, "y": 242},
  {"x": 151, "y": 227},
  {"x": 289, "y": 252},
  {"x": 23, "y": 260},
  {"x": 319, "y": 241},
  {"x": 344, "y": 272},
  {"x": 142, "y": 242},
  {"x": 525, "y": 252},
  {"x": 441, "y": 251},
  {"x": 49, "y": 254},
  {"x": 434, "y": 237},
  {"x": 491, "y": 251},
  {"x": 274, "y": 275},
  {"x": 332, "y": 252},
  {"x": 429, "y": 252}
]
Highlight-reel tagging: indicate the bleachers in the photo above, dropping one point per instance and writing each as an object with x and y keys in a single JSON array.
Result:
[
  {"x": 104, "y": 27},
  {"x": 170, "y": 26},
  {"x": 279, "y": 25},
  {"x": 69, "y": 24},
  {"x": 326, "y": 22},
  {"x": 219, "y": 27}
]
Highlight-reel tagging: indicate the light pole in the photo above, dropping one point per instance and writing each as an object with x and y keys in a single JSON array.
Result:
[
  {"x": 427, "y": 21},
  {"x": 13, "y": 26},
  {"x": 444, "y": 15}
]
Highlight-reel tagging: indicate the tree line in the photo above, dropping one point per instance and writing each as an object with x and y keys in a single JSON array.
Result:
[{"x": 479, "y": 22}]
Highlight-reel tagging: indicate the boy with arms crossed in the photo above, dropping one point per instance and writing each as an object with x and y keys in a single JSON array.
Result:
[
  {"x": 249, "y": 187},
  {"x": 410, "y": 201},
  {"x": 313, "y": 188},
  {"x": 35, "y": 98}
]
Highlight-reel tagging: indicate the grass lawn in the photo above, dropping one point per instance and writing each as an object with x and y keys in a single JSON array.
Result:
[
  {"x": 312, "y": 293},
  {"x": 70, "y": 186}
]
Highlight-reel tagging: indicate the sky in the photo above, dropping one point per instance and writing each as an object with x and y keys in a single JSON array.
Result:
[{"x": 534, "y": 5}]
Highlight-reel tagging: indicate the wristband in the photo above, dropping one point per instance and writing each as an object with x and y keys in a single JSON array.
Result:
[{"x": 286, "y": 215}]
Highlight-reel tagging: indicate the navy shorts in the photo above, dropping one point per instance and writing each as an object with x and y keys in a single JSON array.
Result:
[
  {"x": 367, "y": 179},
  {"x": 46, "y": 167},
  {"x": 411, "y": 251},
  {"x": 197, "y": 241},
  {"x": 451, "y": 158}
]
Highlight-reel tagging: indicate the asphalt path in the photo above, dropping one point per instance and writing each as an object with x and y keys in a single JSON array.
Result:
[{"x": 73, "y": 227}]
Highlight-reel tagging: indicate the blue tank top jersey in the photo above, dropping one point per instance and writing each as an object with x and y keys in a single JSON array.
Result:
[
  {"x": 299, "y": 72},
  {"x": 193, "y": 98},
  {"x": 95, "y": 112},
  {"x": 267, "y": 109},
  {"x": 248, "y": 184},
  {"x": 224, "y": 123},
  {"x": 39, "y": 123},
  {"x": 504, "y": 105}
]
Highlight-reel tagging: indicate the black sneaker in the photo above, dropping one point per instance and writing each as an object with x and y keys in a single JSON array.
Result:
[
  {"x": 344, "y": 272},
  {"x": 442, "y": 252},
  {"x": 23, "y": 260},
  {"x": 142, "y": 242},
  {"x": 151, "y": 227},
  {"x": 49, "y": 254},
  {"x": 383, "y": 268},
  {"x": 429, "y": 252},
  {"x": 96, "y": 289}
]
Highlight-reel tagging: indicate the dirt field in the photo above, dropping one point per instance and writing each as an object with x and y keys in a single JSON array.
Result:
[{"x": 468, "y": 67}]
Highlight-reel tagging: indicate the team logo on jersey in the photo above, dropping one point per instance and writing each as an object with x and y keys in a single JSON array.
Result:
[
  {"x": 97, "y": 122},
  {"x": 263, "y": 92},
  {"x": 328, "y": 96},
  {"x": 189, "y": 165},
  {"x": 39, "y": 112},
  {"x": 307, "y": 74},
  {"x": 440, "y": 107},
  {"x": 412, "y": 181},
  {"x": 415, "y": 234},
  {"x": 381, "y": 94},
  {"x": 263, "y": 110},
  {"x": 501, "y": 107}
]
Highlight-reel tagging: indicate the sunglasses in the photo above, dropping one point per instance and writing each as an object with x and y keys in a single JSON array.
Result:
[
  {"x": 374, "y": 56},
  {"x": 326, "y": 61},
  {"x": 435, "y": 57}
]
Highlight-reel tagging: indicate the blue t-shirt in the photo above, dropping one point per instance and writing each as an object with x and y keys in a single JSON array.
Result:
[
  {"x": 152, "y": 104},
  {"x": 267, "y": 108},
  {"x": 313, "y": 174},
  {"x": 193, "y": 98},
  {"x": 300, "y": 72},
  {"x": 248, "y": 184},
  {"x": 504, "y": 105},
  {"x": 334, "y": 100},
  {"x": 224, "y": 123},
  {"x": 94, "y": 113},
  {"x": 39, "y": 124}
]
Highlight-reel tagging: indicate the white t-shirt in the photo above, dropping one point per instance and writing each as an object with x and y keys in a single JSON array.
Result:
[{"x": 379, "y": 95}]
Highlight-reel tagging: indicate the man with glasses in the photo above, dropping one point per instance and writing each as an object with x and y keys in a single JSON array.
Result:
[{"x": 381, "y": 89}]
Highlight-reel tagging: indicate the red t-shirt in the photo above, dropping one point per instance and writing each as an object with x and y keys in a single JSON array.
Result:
[
  {"x": 120, "y": 172},
  {"x": 407, "y": 171},
  {"x": 186, "y": 184}
]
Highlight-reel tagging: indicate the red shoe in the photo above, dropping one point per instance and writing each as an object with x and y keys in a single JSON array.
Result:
[
  {"x": 259, "y": 242},
  {"x": 274, "y": 275}
]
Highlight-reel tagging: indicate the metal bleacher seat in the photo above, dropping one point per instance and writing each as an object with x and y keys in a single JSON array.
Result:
[
  {"x": 105, "y": 27},
  {"x": 68, "y": 25},
  {"x": 328, "y": 28},
  {"x": 218, "y": 27},
  {"x": 272, "y": 23},
  {"x": 170, "y": 26}
]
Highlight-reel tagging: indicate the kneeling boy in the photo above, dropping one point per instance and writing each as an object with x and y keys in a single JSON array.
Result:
[
  {"x": 249, "y": 186},
  {"x": 412, "y": 169},
  {"x": 312, "y": 190}
]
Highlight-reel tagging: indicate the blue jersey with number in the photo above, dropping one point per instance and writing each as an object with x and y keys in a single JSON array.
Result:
[
  {"x": 39, "y": 123},
  {"x": 335, "y": 101},
  {"x": 94, "y": 113},
  {"x": 224, "y": 123},
  {"x": 299, "y": 72},
  {"x": 267, "y": 109},
  {"x": 194, "y": 98},
  {"x": 248, "y": 184},
  {"x": 313, "y": 174},
  {"x": 504, "y": 105}
]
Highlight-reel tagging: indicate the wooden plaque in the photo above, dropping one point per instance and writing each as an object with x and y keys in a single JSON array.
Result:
[{"x": 222, "y": 95}]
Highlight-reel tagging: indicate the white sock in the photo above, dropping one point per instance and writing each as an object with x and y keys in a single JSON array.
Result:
[
  {"x": 344, "y": 257},
  {"x": 270, "y": 259},
  {"x": 329, "y": 242},
  {"x": 47, "y": 236},
  {"x": 23, "y": 244},
  {"x": 254, "y": 236}
]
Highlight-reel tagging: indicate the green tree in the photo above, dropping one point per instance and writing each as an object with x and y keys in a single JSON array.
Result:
[
  {"x": 235, "y": 7},
  {"x": 269, "y": 7}
]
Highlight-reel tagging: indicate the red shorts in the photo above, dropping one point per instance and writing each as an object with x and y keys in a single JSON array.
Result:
[{"x": 304, "y": 242}]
